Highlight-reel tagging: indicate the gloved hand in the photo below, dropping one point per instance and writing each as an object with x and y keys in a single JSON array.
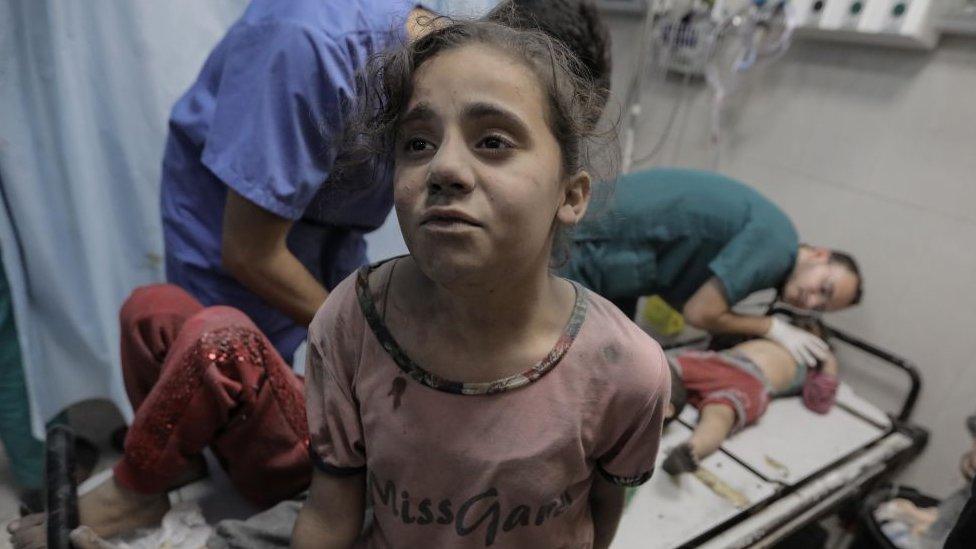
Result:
[
  {"x": 805, "y": 347},
  {"x": 820, "y": 391}
]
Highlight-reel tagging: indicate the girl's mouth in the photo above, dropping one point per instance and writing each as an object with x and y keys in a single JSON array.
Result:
[{"x": 448, "y": 217}]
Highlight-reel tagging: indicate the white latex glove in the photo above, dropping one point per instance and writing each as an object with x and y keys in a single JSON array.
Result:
[{"x": 805, "y": 347}]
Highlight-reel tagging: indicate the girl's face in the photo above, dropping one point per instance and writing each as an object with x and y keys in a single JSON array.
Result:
[{"x": 479, "y": 186}]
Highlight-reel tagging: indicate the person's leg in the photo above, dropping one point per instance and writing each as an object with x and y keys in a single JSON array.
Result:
[
  {"x": 714, "y": 425},
  {"x": 149, "y": 321},
  {"x": 715, "y": 422},
  {"x": 222, "y": 385},
  {"x": 176, "y": 354},
  {"x": 728, "y": 398}
]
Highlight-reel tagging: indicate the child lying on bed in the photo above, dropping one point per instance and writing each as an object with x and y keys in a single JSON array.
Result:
[{"x": 732, "y": 388}]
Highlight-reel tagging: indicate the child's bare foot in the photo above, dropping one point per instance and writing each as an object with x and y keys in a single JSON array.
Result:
[
  {"x": 109, "y": 510},
  {"x": 681, "y": 459}
]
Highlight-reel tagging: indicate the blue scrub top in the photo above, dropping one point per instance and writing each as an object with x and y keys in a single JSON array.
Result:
[
  {"x": 262, "y": 118},
  {"x": 667, "y": 231}
]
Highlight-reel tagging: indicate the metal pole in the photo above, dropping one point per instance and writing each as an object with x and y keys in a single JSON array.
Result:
[{"x": 62, "y": 499}]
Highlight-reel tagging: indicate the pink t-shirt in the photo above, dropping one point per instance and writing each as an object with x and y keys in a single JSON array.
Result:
[{"x": 505, "y": 464}]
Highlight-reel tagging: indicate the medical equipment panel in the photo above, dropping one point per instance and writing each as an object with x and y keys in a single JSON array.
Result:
[{"x": 898, "y": 23}]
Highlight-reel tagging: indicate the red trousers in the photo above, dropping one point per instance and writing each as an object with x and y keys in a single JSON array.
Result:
[{"x": 207, "y": 377}]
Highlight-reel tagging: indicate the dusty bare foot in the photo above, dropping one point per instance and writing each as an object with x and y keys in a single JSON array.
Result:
[
  {"x": 108, "y": 510},
  {"x": 111, "y": 509}
]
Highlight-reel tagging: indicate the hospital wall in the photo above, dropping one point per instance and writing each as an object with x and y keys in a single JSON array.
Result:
[{"x": 874, "y": 151}]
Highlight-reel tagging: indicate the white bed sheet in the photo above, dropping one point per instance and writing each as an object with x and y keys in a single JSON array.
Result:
[
  {"x": 789, "y": 444},
  {"x": 666, "y": 512}
]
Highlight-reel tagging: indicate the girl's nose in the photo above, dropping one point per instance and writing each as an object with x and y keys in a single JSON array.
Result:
[{"x": 450, "y": 169}]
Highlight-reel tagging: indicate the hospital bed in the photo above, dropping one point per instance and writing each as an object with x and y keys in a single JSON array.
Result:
[{"x": 771, "y": 479}]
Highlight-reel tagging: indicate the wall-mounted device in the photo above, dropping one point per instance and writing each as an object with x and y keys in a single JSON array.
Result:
[{"x": 900, "y": 23}]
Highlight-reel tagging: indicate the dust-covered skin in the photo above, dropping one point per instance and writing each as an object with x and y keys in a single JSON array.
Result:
[
  {"x": 108, "y": 510},
  {"x": 480, "y": 191}
]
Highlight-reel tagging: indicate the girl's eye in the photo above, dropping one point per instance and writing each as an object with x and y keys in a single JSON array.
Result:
[
  {"x": 495, "y": 142},
  {"x": 417, "y": 144}
]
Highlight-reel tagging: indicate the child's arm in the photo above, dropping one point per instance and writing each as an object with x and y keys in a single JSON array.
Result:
[
  {"x": 332, "y": 516},
  {"x": 629, "y": 436},
  {"x": 606, "y": 506}
]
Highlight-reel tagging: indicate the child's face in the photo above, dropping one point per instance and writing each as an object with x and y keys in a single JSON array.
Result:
[{"x": 479, "y": 185}]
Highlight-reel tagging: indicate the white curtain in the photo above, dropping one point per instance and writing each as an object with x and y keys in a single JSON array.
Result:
[{"x": 85, "y": 93}]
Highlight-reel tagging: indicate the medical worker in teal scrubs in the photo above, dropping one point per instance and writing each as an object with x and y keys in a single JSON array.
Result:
[{"x": 703, "y": 242}]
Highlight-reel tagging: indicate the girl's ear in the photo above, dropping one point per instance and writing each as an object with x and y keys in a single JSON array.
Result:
[{"x": 576, "y": 198}]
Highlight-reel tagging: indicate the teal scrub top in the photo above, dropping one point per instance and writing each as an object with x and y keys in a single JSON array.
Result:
[{"x": 667, "y": 231}]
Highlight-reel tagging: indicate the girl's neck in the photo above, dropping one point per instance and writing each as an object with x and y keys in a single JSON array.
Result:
[{"x": 495, "y": 307}]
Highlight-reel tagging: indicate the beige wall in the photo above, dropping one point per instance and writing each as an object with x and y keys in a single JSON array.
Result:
[{"x": 874, "y": 151}]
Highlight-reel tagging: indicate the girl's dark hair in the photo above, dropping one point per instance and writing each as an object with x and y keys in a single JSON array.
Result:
[
  {"x": 576, "y": 23},
  {"x": 386, "y": 86}
]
